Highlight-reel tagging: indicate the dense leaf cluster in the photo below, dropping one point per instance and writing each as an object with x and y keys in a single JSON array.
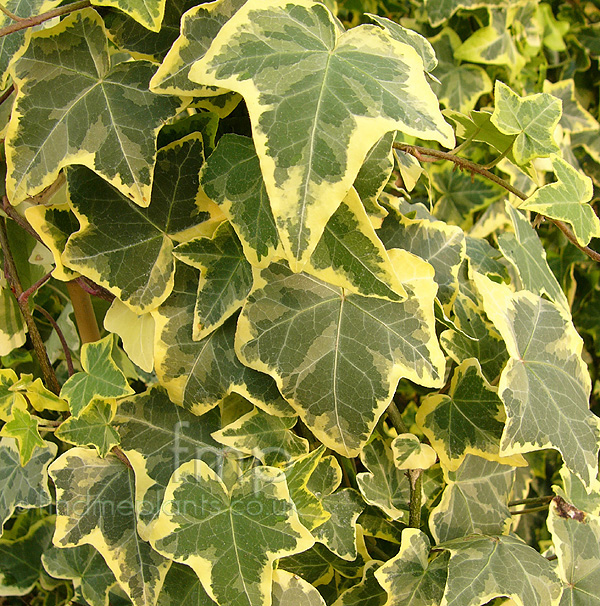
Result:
[{"x": 299, "y": 303}]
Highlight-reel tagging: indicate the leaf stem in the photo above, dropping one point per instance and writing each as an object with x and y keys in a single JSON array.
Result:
[
  {"x": 21, "y": 221},
  {"x": 530, "y": 510},
  {"x": 415, "y": 478},
  {"x": 10, "y": 15},
  {"x": 10, "y": 271},
  {"x": 395, "y": 418},
  {"x": 26, "y": 22},
  {"x": 7, "y": 93},
  {"x": 61, "y": 337},
  {"x": 24, "y": 296},
  {"x": 532, "y": 501},
  {"x": 424, "y": 154},
  {"x": 84, "y": 313}
]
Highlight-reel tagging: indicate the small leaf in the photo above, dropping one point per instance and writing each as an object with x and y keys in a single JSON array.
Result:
[
  {"x": 289, "y": 588},
  {"x": 10, "y": 400},
  {"x": 230, "y": 539},
  {"x": 101, "y": 377},
  {"x": 567, "y": 200},
  {"x": 24, "y": 428},
  {"x": 410, "y": 453},
  {"x": 532, "y": 118}
]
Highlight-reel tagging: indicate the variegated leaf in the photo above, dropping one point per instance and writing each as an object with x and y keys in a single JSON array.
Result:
[
  {"x": 575, "y": 118},
  {"x": 545, "y": 385},
  {"x": 337, "y": 357},
  {"x": 366, "y": 593},
  {"x": 149, "y": 13},
  {"x": 182, "y": 586},
  {"x": 331, "y": 136},
  {"x": 439, "y": 11},
  {"x": 200, "y": 374},
  {"x": 289, "y": 588},
  {"x": 230, "y": 538},
  {"x": 102, "y": 117},
  {"x": 24, "y": 428},
  {"x": 12, "y": 325},
  {"x": 95, "y": 500}
]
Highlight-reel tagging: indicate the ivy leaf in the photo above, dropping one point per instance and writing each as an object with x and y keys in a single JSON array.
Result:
[
  {"x": 439, "y": 11},
  {"x": 10, "y": 400},
  {"x": 326, "y": 478},
  {"x": 129, "y": 250},
  {"x": 85, "y": 567},
  {"x": 101, "y": 377},
  {"x": 527, "y": 254},
  {"x": 289, "y": 588},
  {"x": 475, "y": 500},
  {"x": 384, "y": 485},
  {"x": 567, "y": 200},
  {"x": 105, "y": 118},
  {"x": 200, "y": 374},
  {"x": 545, "y": 385},
  {"x": 327, "y": 60},
  {"x": 12, "y": 325},
  {"x": 38, "y": 396},
  {"x": 24, "y": 486},
  {"x": 95, "y": 501},
  {"x": 498, "y": 566},
  {"x": 469, "y": 420},
  {"x": 575, "y": 492},
  {"x": 20, "y": 557},
  {"x": 24, "y": 428},
  {"x": 264, "y": 436},
  {"x": 574, "y": 118},
  {"x": 157, "y": 436},
  {"x": 149, "y": 13},
  {"x": 532, "y": 118},
  {"x": 225, "y": 280},
  {"x": 409, "y": 577},
  {"x": 338, "y": 533},
  {"x": 478, "y": 126},
  {"x": 410, "y": 453},
  {"x": 182, "y": 586},
  {"x": 199, "y": 26},
  {"x": 460, "y": 86},
  {"x": 92, "y": 427},
  {"x": 366, "y": 593},
  {"x": 335, "y": 356},
  {"x": 230, "y": 539},
  {"x": 577, "y": 544}
]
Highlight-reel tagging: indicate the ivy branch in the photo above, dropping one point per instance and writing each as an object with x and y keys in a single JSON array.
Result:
[
  {"x": 424, "y": 154},
  {"x": 26, "y": 22}
]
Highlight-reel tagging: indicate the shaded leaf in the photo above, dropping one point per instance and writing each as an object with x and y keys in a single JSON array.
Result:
[
  {"x": 326, "y": 478},
  {"x": 149, "y": 13},
  {"x": 230, "y": 539},
  {"x": 366, "y": 593},
  {"x": 289, "y": 588},
  {"x": 182, "y": 586},
  {"x": 306, "y": 180},
  {"x": 12, "y": 325}
]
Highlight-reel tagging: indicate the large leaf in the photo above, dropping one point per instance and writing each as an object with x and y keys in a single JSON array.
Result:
[
  {"x": 230, "y": 539},
  {"x": 311, "y": 141},
  {"x": 200, "y": 374},
  {"x": 545, "y": 385},
  {"x": 95, "y": 501},
  {"x": 577, "y": 543},
  {"x": 182, "y": 586},
  {"x": 72, "y": 108},
  {"x": 149, "y": 13},
  {"x": 127, "y": 249},
  {"x": 409, "y": 577},
  {"x": 485, "y": 567},
  {"x": 475, "y": 500},
  {"x": 567, "y": 200},
  {"x": 23, "y": 486},
  {"x": 337, "y": 357},
  {"x": 157, "y": 436}
]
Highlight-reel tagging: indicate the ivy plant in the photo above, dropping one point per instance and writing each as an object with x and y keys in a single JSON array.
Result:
[{"x": 299, "y": 303}]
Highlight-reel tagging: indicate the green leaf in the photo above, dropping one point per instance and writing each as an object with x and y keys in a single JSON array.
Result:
[
  {"x": 157, "y": 436},
  {"x": 199, "y": 26},
  {"x": 200, "y": 374},
  {"x": 104, "y": 118},
  {"x": 307, "y": 180},
  {"x": 92, "y": 427},
  {"x": 577, "y": 543},
  {"x": 326, "y": 478},
  {"x": 366, "y": 593},
  {"x": 460, "y": 85},
  {"x": 289, "y": 588},
  {"x": 230, "y": 539},
  {"x": 410, "y": 453},
  {"x": 384, "y": 485},
  {"x": 350, "y": 350},
  {"x": 101, "y": 377},
  {"x": 575, "y": 492},
  {"x": 85, "y": 567},
  {"x": 482, "y": 568},
  {"x": 469, "y": 420},
  {"x": 441, "y": 10},
  {"x": 24, "y": 428},
  {"x": 264, "y": 436},
  {"x": 12, "y": 325},
  {"x": 532, "y": 118},
  {"x": 23, "y": 486},
  {"x": 182, "y": 586},
  {"x": 149, "y": 13},
  {"x": 338, "y": 533},
  {"x": 526, "y": 253},
  {"x": 477, "y": 126},
  {"x": 409, "y": 577},
  {"x": 475, "y": 500},
  {"x": 20, "y": 557},
  {"x": 95, "y": 501},
  {"x": 567, "y": 200},
  {"x": 129, "y": 250},
  {"x": 545, "y": 385},
  {"x": 10, "y": 399},
  {"x": 574, "y": 119},
  {"x": 225, "y": 281}
]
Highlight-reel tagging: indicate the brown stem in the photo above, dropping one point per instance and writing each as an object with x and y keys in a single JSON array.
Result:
[
  {"x": 61, "y": 338},
  {"x": 10, "y": 271},
  {"x": 24, "y": 296},
  {"x": 121, "y": 456},
  {"x": 37, "y": 19},
  {"x": 425, "y": 154},
  {"x": 84, "y": 313},
  {"x": 21, "y": 221},
  {"x": 9, "y": 14},
  {"x": 7, "y": 93}
]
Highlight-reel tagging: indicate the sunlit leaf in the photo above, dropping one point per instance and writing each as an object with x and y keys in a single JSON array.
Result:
[
  {"x": 24, "y": 428},
  {"x": 149, "y": 13},
  {"x": 10, "y": 399},
  {"x": 289, "y": 588},
  {"x": 440, "y": 10},
  {"x": 575, "y": 118}
]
